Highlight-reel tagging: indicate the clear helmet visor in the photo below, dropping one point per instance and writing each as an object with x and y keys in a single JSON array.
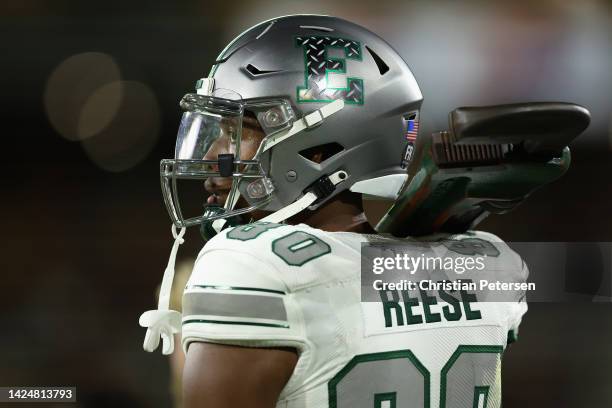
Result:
[{"x": 216, "y": 172}]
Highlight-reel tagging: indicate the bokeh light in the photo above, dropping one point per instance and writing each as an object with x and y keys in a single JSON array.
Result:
[
  {"x": 99, "y": 109},
  {"x": 132, "y": 133},
  {"x": 71, "y": 95}
]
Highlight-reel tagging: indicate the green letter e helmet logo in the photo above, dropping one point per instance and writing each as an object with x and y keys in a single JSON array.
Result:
[{"x": 320, "y": 86}]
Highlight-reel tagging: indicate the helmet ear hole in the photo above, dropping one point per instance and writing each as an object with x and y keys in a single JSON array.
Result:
[{"x": 320, "y": 153}]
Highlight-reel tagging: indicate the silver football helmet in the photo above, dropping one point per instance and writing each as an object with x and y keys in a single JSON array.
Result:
[{"x": 280, "y": 91}]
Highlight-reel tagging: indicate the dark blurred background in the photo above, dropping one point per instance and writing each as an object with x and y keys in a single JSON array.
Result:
[{"x": 89, "y": 96}]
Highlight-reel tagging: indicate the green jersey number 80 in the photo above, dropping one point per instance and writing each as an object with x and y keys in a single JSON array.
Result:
[{"x": 395, "y": 379}]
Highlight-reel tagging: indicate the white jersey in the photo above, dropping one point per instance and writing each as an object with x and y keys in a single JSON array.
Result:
[{"x": 270, "y": 285}]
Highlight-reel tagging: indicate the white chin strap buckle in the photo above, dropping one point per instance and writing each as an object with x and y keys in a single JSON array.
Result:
[
  {"x": 163, "y": 322},
  {"x": 160, "y": 323}
]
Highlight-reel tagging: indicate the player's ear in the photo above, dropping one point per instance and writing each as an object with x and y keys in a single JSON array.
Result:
[
  {"x": 320, "y": 153},
  {"x": 317, "y": 157}
]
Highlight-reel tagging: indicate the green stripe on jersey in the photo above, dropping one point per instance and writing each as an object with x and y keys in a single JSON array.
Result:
[
  {"x": 282, "y": 326},
  {"x": 217, "y": 287}
]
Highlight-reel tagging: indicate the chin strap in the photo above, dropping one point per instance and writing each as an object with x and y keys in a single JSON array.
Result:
[
  {"x": 289, "y": 211},
  {"x": 164, "y": 322},
  {"x": 316, "y": 192}
]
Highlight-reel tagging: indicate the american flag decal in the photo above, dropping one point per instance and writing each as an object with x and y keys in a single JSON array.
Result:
[
  {"x": 411, "y": 121},
  {"x": 412, "y": 129}
]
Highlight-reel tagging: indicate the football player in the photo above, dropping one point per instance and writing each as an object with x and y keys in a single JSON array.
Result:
[{"x": 298, "y": 118}]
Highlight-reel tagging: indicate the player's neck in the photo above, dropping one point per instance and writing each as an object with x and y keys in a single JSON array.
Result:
[{"x": 343, "y": 213}]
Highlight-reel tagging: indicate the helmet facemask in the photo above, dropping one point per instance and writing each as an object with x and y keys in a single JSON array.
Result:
[{"x": 220, "y": 143}]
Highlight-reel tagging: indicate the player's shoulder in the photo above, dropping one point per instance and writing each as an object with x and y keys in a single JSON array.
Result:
[
  {"x": 239, "y": 257},
  {"x": 298, "y": 255},
  {"x": 255, "y": 236},
  {"x": 277, "y": 245},
  {"x": 508, "y": 258},
  {"x": 480, "y": 241},
  {"x": 493, "y": 240}
]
